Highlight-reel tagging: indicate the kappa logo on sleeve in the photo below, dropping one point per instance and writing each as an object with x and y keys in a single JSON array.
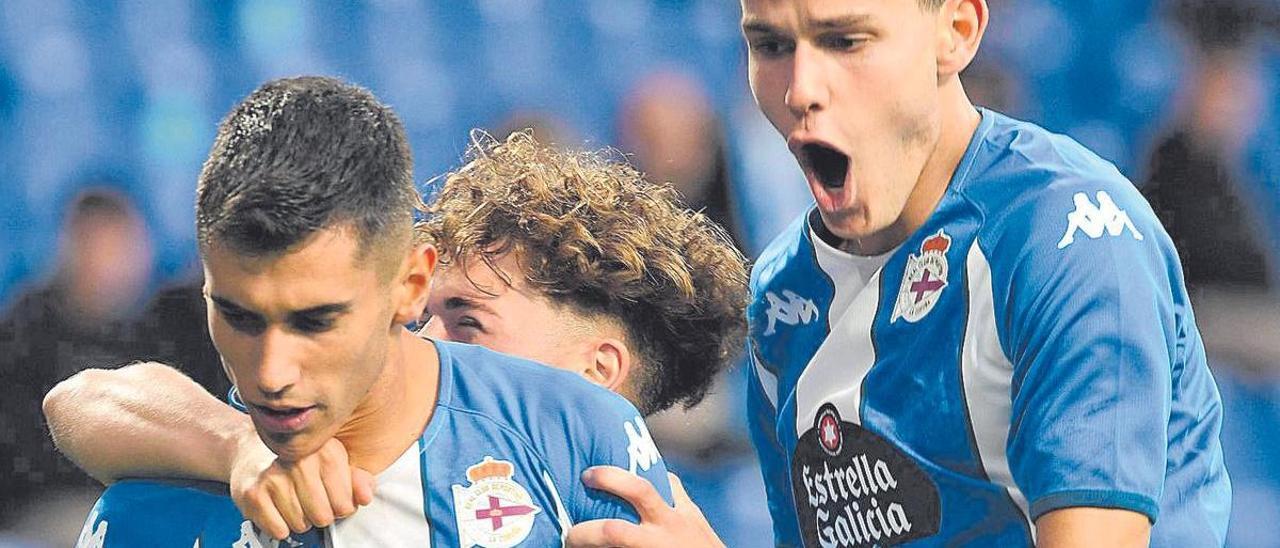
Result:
[
  {"x": 1095, "y": 220},
  {"x": 640, "y": 447},
  {"x": 93, "y": 536},
  {"x": 853, "y": 488},
  {"x": 790, "y": 309},
  {"x": 252, "y": 537}
]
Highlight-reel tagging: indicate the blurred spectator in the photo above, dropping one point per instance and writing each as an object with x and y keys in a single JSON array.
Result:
[
  {"x": 90, "y": 314},
  {"x": 78, "y": 320},
  {"x": 990, "y": 85},
  {"x": 1198, "y": 185},
  {"x": 669, "y": 125},
  {"x": 1205, "y": 199},
  {"x": 174, "y": 330}
]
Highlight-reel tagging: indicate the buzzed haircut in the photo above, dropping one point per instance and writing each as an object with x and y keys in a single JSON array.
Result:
[{"x": 300, "y": 155}]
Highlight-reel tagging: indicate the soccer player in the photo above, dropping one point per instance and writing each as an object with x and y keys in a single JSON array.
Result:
[
  {"x": 978, "y": 336},
  {"x": 304, "y": 221}
]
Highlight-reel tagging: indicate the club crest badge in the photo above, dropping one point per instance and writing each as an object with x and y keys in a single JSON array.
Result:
[
  {"x": 924, "y": 279},
  {"x": 494, "y": 511}
]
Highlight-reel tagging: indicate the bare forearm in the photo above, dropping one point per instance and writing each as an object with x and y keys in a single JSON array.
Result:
[
  {"x": 144, "y": 420},
  {"x": 1087, "y": 527}
]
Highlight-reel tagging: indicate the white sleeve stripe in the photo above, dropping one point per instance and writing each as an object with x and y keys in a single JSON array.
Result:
[
  {"x": 987, "y": 375},
  {"x": 562, "y": 515},
  {"x": 768, "y": 381}
]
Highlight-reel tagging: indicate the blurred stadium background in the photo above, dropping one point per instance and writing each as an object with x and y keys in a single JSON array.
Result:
[{"x": 107, "y": 109}]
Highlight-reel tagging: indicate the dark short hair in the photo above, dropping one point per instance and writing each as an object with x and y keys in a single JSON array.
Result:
[{"x": 299, "y": 155}]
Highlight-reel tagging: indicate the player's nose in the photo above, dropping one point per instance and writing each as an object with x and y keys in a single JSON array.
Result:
[
  {"x": 807, "y": 91},
  {"x": 279, "y": 366}
]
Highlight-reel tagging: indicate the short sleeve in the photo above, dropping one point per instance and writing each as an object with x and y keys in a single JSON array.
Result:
[
  {"x": 620, "y": 438},
  {"x": 762, "y": 421},
  {"x": 1090, "y": 327}
]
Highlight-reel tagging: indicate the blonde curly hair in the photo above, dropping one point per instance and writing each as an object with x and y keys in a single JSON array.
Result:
[{"x": 592, "y": 234}]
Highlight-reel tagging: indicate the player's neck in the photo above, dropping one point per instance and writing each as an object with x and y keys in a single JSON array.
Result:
[
  {"x": 959, "y": 119},
  {"x": 398, "y": 407}
]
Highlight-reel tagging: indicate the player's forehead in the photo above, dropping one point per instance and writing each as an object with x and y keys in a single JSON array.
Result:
[
  {"x": 327, "y": 268},
  {"x": 499, "y": 286},
  {"x": 808, "y": 15}
]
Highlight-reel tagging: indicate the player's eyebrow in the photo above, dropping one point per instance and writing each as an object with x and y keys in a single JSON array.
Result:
[
  {"x": 454, "y": 303},
  {"x": 758, "y": 26},
  {"x": 228, "y": 304},
  {"x": 319, "y": 310},
  {"x": 324, "y": 309},
  {"x": 840, "y": 22}
]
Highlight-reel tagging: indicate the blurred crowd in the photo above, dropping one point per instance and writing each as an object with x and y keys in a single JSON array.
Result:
[{"x": 109, "y": 107}]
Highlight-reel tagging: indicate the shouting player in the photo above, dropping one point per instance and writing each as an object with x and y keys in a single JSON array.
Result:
[
  {"x": 978, "y": 336},
  {"x": 304, "y": 222}
]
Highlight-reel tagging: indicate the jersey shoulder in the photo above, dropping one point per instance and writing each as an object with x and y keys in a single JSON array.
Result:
[
  {"x": 553, "y": 410},
  {"x": 163, "y": 513},
  {"x": 1033, "y": 187},
  {"x": 567, "y": 422},
  {"x": 500, "y": 384},
  {"x": 790, "y": 249}
]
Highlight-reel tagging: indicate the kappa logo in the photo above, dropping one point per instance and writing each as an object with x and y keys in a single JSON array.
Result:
[
  {"x": 1094, "y": 220},
  {"x": 924, "y": 279},
  {"x": 640, "y": 447},
  {"x": 251, "y": 537},
  {"x": 794, "y": 310},
  {"x": 494, "y": 511},
  {"x": 93, "y": 536}
]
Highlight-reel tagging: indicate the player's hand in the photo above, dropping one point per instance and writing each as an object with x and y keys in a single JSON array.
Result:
[
  {"x": 661, "y": 526},
  {"x": 282, "y": 496}
]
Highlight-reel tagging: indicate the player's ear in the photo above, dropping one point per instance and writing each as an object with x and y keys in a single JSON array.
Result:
[
  {"x": 609, "y": 364},
  {"x": 961, "y": 24},
  {"x": 414, "y": 284}
]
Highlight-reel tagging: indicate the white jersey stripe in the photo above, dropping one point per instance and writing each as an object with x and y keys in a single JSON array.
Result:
[
  {"x": 987, "y": 375},
  {"x": 836, "y": 371},
  {"x": 396, "y": 517}
]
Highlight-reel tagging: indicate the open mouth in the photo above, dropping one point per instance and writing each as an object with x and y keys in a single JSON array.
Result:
[
  {"x": 828, "y": 165},
  {"x": 281, "y": 420}
]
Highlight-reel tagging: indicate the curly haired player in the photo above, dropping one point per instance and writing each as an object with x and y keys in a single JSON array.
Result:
[{"x": 553, "y": 239}]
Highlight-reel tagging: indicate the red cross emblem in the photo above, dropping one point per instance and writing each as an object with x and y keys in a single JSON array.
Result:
[
  {"x": 496, "y": 512},
  {"x": 927, "y": 283}
]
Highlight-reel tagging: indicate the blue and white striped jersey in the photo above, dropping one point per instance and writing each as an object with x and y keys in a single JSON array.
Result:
[
  {"x": 1031, "y": 347},
  {"x": 498, "y": 465}
]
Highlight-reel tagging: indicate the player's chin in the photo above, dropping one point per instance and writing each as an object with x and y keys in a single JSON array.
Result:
[
  {"x": 848, "y": 223},
  {"x": 292, "y": 445}
]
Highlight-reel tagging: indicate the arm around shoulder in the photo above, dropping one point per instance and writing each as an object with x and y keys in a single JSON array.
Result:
[{"x": 145, "y": 419}]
